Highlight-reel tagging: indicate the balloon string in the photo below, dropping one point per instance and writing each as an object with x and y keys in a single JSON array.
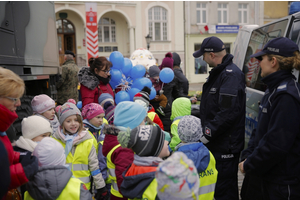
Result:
[{"x": 162, "y": 85}]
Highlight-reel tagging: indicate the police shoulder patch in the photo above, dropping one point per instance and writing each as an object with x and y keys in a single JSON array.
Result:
[{"x": 207, "y": 131}]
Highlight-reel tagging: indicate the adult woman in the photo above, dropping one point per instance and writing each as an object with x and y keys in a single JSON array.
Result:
[
  {"x": 274, "y": 153},
  {"x": 12, "y": 88},
  {"x": 94, "y": 80}
]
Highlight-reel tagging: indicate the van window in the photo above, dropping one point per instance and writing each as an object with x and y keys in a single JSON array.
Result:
[
  {"x": 294, "y": 34},
  {"x": 258, "y": 39}
]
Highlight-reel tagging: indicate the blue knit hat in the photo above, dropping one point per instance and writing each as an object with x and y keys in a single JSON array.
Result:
[
  {"x": 129, "y": 114},
  {"x": 104, "y": 97}
]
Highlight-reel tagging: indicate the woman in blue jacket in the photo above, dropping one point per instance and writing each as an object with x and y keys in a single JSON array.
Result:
[{"x": 276, "y": 158}]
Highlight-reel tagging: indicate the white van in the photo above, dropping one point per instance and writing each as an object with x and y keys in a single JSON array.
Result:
[{"x": 251, "y": 39}]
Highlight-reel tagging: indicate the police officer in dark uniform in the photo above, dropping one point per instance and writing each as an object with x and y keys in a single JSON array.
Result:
[
  {"x": 276, "y": 158},
  {"x": 222, "y": 114}
]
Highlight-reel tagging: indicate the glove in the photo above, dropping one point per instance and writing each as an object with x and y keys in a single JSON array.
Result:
[
  {"x": 102, "y": 194},
  {"x": 30, "y": 165}
]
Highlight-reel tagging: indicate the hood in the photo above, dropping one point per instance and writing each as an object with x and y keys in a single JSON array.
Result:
[
  {"x": 176, "y": 59},
  {"x": 198, "y": 153},
  {"x": 110, "y": 141},
  {"x": 181, "y": 107},
  {"x": 87, "y": 78},
  {"x": 49, "y": 182}
]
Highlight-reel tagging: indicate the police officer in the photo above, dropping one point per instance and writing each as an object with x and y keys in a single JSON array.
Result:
[
  {"x": 222, "y": 114},
  {"x": 276, "y": 158}
]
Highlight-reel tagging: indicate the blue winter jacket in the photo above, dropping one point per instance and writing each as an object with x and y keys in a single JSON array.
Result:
[
  {"x": 277, "y": 139},
  {"x": 222, "y": 109}
]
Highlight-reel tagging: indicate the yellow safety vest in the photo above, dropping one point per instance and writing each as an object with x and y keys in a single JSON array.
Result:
[
  {"x": 150, "y": 192},
  {"x": 96, "y": 144},
  {"x": 71, "y": 191},
  {"x": 175, "y": 140},
  {"x": 112, "y": 174},
  {"x": 208, "y": 179},
  {"x": 79, "y": 163},
  {"x": 151, "y": 115}
]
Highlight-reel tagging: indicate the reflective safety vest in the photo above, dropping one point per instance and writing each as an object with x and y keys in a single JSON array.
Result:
[
  {"x": 151, "y": 115},
  {"x": 71, "y": 191},
  {"x": 175, "y": 140},
  {"x": 208, "y": 179},
  {"x": 150, "y": 192},
  {"x": 112, "y": 174},
  {"x": 96, "y": 144},
  {"x": 79, "y": 162}
]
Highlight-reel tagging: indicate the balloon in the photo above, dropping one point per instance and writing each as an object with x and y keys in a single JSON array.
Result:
[
  {"x": 152, "y": 93},
  {"x": 113, "y": 84},
  {"x": 79, "y": 104},
  {"x": 117, "y": 59},
  {"x": 166, "y": 75},
  {"x": 127, "y": 67},
  {"x": 107, "y": 58},
  {"x": 140, "y": 83},
  {"x": 137, "y": 71},
  {"x": 133, "y": 92},
  {"x": 122, "y": 96},
  {"x": 116, "y": 75}
]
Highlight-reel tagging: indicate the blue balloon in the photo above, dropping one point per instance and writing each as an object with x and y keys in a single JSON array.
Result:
[
  {"x": 79, "y": 104},
  {"x": 127, "y": 67},
  {"x": 113, "y": 84},
  {"x": 140, "y": 83},
  {"x": 117, "y": 59},
  {"x": 122, "y": 96},
  {"x": 152, "y": 93},
  {"x": 133, "y": 92},
  {"x": 166, "y": 75},
  {"x": 116, "y": 75},
  {"x": 137, "y": 71}
]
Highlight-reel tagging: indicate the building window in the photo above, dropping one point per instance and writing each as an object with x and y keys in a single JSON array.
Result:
[
  {"x": 158, "y": 23},
  {"x": 106, "y": 30},
  {"x": 201, "y": 13},
  {"x": 64, "y": 26},
  {"x": 222, "y": 13},
  {"x": 243, "y": 13}
]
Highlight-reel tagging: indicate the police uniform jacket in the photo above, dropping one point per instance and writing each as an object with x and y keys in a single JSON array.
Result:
[{"x": 222, "y": 109}]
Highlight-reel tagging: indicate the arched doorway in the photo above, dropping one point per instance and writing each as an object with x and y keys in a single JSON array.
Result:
[{"x": 66, "y": 37}]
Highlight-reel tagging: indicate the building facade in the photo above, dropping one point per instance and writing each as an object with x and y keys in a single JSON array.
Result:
[{"x": 122, "y": 26}]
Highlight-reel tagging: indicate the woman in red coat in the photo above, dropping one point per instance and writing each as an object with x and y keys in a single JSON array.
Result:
[
  {"x": 94, "y": 80},
  {"x": 11, "y": 89}
]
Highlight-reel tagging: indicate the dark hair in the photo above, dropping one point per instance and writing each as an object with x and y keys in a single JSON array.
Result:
[{"x": 99, "y": 63}]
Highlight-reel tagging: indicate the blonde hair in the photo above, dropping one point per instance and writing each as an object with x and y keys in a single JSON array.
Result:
[
  {"x": 10, "y": 83},
  {"x": 81, "y": 127},
  {"x": 287, "y": 63}
]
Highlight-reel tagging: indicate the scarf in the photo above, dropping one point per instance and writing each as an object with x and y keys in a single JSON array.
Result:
[
  {"x": 26, "y": 144},
  {"x": 103, "y": 80}
]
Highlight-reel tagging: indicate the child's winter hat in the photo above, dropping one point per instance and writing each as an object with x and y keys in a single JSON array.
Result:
[
  {"x": 129, "y": 114},
  {"x": 104, "y": 97},
  {"x": 57, "y": 108},
  {"x": 42, "y": 103},
  {"x": 167, "y": 61},
  {"x": 189, "y": 129},
  {"x": 109, "y": 112},
  {"x": 144, "y": 140},
  {"x": 154, "y": 71},
  {"x": 177, "y": 178},
  {"x": 143, "y": 98},
  {"x": 67, "y": 110},
  {"x": 91, "y": 110},
  {"x": 34, "y": 126},
  {"x": 72, "y": 101},
  {"x": 50, "y": 152}
]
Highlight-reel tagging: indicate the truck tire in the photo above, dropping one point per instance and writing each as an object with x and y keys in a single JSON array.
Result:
[{"x": 23, "y": 111}]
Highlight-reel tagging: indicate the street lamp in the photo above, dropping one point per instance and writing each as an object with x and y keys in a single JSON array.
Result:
[{"x": 148, "y": 40}]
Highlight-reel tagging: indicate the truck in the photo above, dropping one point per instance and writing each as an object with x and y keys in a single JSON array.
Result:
[
  {"x": 29, "y": 48},
  {"x": 250, "y": 40}
]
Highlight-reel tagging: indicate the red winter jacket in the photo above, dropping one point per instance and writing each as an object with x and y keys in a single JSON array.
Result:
[
  {"x": 17, "y": 174},
  {"x": 156, "y": 118},
  {"x": 121, "y": 157}
]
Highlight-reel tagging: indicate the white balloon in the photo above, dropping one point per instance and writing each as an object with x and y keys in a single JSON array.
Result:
[{"x": 143, "y": 57}]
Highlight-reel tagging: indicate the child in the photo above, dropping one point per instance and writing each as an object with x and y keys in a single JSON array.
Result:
[
  {"x": 43, "y": 105},
  {"x": 180, "y": 107},
  {"x": 54, "y": 180},
  {"x": 177, "y": 178},
  {"x": 93, "y": 114},
  {"x": 109, "y": 112},
  {"x": 157, "y": 84},
  {"x": 129, "y": 115},
  {"x": 149, "y": 145},
  {"x": 190, "y": 132},
  {"x": 79, "y": 148},
  {"x": 105, "y": 97}
]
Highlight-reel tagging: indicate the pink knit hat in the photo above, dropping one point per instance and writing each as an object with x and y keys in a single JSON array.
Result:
[
  {"x": 167, "y": 61},
  {"x": 91, "y": 110},
  {"x": 42, "y": 103},
  {"x": 72, "y": 101}
]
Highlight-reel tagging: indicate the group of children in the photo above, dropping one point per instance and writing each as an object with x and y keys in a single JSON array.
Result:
[{"x": 115, "y": 152}]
